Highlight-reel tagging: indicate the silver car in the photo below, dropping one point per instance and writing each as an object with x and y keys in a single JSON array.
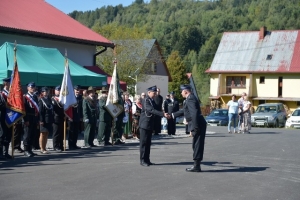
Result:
[{"x": 269, "y": 114}]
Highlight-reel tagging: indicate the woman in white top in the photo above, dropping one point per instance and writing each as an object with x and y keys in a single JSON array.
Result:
[
  {"x": 246, "y": 126},
  {"x": 233, "y": 107}
]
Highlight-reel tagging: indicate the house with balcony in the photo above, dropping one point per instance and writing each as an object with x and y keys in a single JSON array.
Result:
[{"x": 264, "y": 64}]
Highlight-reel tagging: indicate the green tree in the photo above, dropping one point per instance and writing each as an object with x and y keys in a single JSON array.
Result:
[{"x": 176, "y": 68}]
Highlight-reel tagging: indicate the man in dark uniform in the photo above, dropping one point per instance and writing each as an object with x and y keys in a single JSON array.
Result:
[
  {"x": 196, "y": 123},
  {"x": 158, "y": 99},
  {"x": 6, "y": 132},
  {"x": 90, "y": 118},
  {"x": 58, "y": 125},
  {"x": 146, "y": 123},
  {"x": 118, "y": 124},
  {"x": 31, "y": 119},
  {"x": 74, "y": 126},
  {"x": 105, "y": 119},
  {"x": 171, "y": 105}
]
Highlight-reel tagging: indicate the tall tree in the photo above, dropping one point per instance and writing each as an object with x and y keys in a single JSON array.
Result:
[{"x": 177, "y": 71}]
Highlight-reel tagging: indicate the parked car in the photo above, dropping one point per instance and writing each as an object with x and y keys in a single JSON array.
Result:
[
  {"x": 269, "y": 115},
  {"x": 218, "y": 117},
  {"x": 294, "y": 119}
]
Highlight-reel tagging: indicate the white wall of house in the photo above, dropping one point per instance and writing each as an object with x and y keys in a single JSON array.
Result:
[
  {"x": 291, "y": 85},
  {"x": 79, "y": 53},
  {"x": 214, "y": 81},
  {"x": 151, "y": 80}
]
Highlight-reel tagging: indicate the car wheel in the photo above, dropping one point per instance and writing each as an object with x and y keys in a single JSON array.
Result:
[{"x": 275, "y": 124}]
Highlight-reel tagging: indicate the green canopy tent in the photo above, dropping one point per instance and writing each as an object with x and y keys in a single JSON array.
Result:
[{"x": 44, "y": 66}]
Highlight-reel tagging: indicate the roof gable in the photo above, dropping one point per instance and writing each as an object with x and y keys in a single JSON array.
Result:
[
  {"x": 38, "y": 18},
  {"x": 278, "y": 51}
]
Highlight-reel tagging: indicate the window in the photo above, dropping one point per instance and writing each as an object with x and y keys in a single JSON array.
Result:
[
  {"x": 153, "y": 67},
  {"x": 261, "y": 102},
  {"x": 298, "y": 103},
  {"x": 236, "y": 81},
  {"x": 269, "y": 57},
  {"x": 262, "y": 80}
]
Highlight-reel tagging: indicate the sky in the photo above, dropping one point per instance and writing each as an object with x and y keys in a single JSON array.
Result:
[{"x": 68, "y": 6}]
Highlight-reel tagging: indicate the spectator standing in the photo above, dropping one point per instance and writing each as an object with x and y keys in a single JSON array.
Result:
[
  {"x": 136, "y": 113},
  {"x": 233, "y": 107},
  {"x": 240, "y": 111},
  {"x": 171, "y": 105},
  {"x": 246, "y": 126}
]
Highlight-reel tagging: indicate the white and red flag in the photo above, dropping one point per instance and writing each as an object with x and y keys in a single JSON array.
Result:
[{"x": 67, "y": 96}]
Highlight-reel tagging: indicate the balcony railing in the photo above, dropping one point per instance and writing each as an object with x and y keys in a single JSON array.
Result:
[{"x": 237, "y": 90}]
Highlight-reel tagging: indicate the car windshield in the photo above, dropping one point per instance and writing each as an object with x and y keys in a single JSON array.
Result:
[
  {"x": 296, "y": 113},
  {"x": 266, "y": 109},
  {"x": 218, "y": 113}
]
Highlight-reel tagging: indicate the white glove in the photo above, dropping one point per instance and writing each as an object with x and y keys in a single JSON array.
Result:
[
  {"x": 116, "y": 119},
  {"x": 87, "y": 120}
]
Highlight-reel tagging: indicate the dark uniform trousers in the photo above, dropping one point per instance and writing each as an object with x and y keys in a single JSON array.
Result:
[
  {"x": 198, "y": 140},
  {"x": 30, "y": 130},
  {"x": 89, "y": 133},
  {"x": 74, "y": 128},
  {"x": 104, "y": 131},
  {"x": 58, "y": 135},
  {"x": 36, "y": 138},
  {"x": 145, "y": 143},
  {"x": 171, "y": 126},
  {"x": 6, "y": 133},
  {"x": 18, "y": 132}
]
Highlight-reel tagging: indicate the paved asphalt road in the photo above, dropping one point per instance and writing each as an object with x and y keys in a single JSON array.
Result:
[{"x": 262, "y": 165}]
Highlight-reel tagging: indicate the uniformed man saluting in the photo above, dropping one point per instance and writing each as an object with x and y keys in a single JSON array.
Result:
[
  {"x": 90, "y": 118},
  {"x": 196, "y": 124},
  {"x": 146, "y": 124}
]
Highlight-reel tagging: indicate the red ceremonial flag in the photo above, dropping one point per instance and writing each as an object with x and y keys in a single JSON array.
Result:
[{"x": 15, "y": 106}]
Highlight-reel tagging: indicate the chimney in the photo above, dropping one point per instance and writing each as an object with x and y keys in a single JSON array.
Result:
[{"x": 262, "y": 32}]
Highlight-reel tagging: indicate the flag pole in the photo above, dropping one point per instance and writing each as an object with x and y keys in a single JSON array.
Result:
[
  {"x": 65, "y": 127},
  {"x": 12, "y": 140},
  {"x": 112, "y": 132}
]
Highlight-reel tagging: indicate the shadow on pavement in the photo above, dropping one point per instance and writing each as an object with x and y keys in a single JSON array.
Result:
[{"x": 227, "y": 167}]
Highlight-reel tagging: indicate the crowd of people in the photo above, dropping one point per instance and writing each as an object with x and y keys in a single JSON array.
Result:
[{"x": 141, "y": 118}]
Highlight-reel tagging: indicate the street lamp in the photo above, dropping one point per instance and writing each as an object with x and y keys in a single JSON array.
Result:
[{"x": 135, "y": 79}]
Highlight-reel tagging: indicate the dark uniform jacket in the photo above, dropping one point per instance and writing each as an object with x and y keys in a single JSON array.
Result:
[
  {"x": 89, "y": 110},
  {"x": 149, "y": 111},
  {"x": 159, "y": 102},
  {"x": 192, "y": 113},
  {"x": 58, "y": 110},
  {"x": 171, "y": 106},
  {"x": 104, "y": 115},
  {"x": 77, "y": 109},
  {"x": 46, "y": 110},
  {"x": 3, "y": 99},
  {"x": 30, "y": 108}
]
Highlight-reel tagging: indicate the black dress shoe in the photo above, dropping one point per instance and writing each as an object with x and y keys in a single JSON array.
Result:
[
  {"x": 92, "y": 145},
  {"x": 77, "y": 147},
  {"x": 107, "y": 144},
  {"x": 57, "y": 150},
  {"x": 119, "y": 142},
  {"x": 193, "y": 169},
  {"x": 150, "y": 163},
  {"x": 27, "y": 154},
  {"x": 19, "y": 150},
  {"x": 144, "y": 164}
]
